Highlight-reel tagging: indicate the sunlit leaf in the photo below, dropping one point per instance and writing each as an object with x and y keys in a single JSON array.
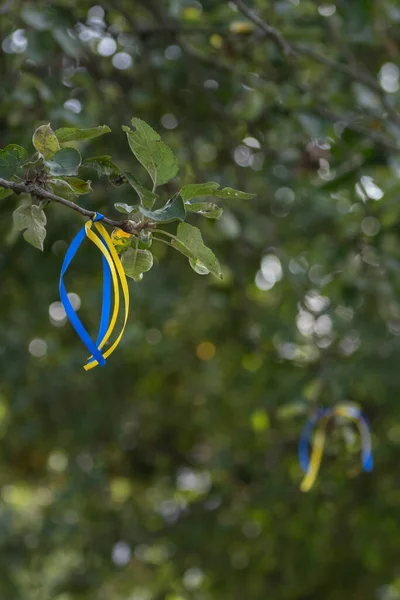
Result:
[
  {"x": 147, "y": 198},
  {"x": 174, "y": 210},
  {"x": 74, "y": 184},
  {"x": 125, "y": 208},
  {"x": 136, "y": 262},
  {"x": 155, "y": 156},
  {"x": 73, "y": 134},
  {"x": 32, "y": 219},
  {"x": 190, "y": 243},
  {"x": 11, "y": 158},
  {"x": 145, "y": 239},
  {"x": 233, "y": 194},
  {"x": 79, "y": 186},
  {"x": 196, "y": 190},
  {"x": 64, "y": 162},
  {"x": 102, "y": 164},
  {"x": 4, "y": 193},
  {"x": 205, "y": 209},
  {"x": 45, "y": 141}
]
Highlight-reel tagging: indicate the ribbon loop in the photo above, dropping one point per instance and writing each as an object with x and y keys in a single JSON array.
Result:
[
  {"x": 113, "y": 277},
  {"x": 320, "y": 421}
]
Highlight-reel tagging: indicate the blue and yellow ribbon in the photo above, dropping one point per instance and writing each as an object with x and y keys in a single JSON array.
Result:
[
  {"x": 113, "y": 278},
  {"x": 320, "y": 420}
]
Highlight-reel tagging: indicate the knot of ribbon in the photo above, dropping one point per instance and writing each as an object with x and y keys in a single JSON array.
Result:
[
  {"x": 113, "y": 278},
  {"x": 320, "y": 421}
]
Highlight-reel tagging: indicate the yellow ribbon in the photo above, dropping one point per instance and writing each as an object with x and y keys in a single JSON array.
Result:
[
  {"x": 117, "y": 272},
  {"x": 316, "y": 457}
]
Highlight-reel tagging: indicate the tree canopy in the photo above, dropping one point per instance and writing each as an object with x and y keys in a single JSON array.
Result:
[{"x": 172, "y": 473}]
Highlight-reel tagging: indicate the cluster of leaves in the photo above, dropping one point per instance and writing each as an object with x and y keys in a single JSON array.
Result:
[{"x": 56, "y": 165}]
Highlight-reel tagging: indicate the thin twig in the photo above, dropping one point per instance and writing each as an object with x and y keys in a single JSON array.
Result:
[
  {"x": 39, "y": 192},
  {"x": 271, "y": 32}
]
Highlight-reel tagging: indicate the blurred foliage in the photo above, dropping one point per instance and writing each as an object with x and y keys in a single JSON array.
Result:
[{"x": 172, "y": 472}]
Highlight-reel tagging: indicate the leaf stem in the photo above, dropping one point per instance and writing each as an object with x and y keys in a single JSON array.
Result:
[
  {"x": 168, "y": 234},
  {"x": 157, "y": 239}
]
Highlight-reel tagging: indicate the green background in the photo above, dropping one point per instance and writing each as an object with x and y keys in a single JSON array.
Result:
[{"x": 172, "y": 473}]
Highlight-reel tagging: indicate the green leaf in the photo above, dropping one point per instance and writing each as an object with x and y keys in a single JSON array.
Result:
[
  {"x": 102, "y": 164},
  {"x": 45, "y": 141},
  {"x": 20, "y": 153},
  {"x": 34, "y": 161},
  {"x": 79, "y": 186},
  {"x": 62, "y": 188},
  {"x": 65, "y": 162},
  {"x": 11, "y": 158},
  {"x": 195, "y": 190},
  {"x": 33, "y": 219},
  {"x": 74, "y": 184},
  {"x": 147, "y": 198},
  {"x": 235, "y": 194},
  {"x": 136, "y": 262},
  {"x": 125, "y": 208},
  {"x": 73, "y": 134},
  {"x": 145, "y": 240},
  {"x": 155, "y": 156},
  {"x": 190, "y": 243},
  {"x": 173, "y": 210},
  {"x": 198, "y": 266},
  {"x": 205, "y": 209},
  {"x": 4, "y": 192}
]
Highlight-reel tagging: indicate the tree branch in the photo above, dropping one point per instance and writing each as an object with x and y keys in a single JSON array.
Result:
[
  {"x": 39, "y": 192},
  {"x": 271, "y": 32},
  {"x": 298, "y": 50}
]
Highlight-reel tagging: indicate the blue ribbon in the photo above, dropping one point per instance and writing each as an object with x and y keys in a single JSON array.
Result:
[
  {"x": 306, "y": 435},
  {"x": 106, "y": 307},
  {"x": 366, "y": 452},
  {"x": 106, "y": 304}
]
